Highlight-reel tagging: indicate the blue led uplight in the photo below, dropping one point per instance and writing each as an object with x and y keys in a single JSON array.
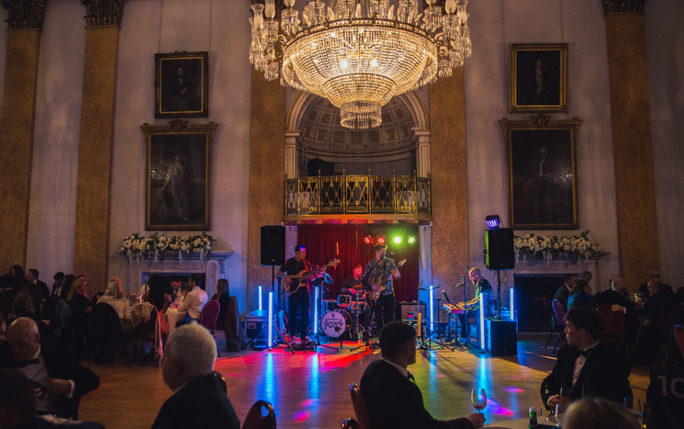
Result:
[
  {"x": 482, "y": 326},
  {"x": 270, "y": 319}
]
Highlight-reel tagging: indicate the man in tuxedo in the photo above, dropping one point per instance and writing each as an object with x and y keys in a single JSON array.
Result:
[
  {"x": 198, "y": 400},
  {"x": 563, "y": 291},
  {"x": 586, "y": 367},
  {"x": 58, "y": 378},
  {"x": 617, "y": 298},
  {"x": 32, "y": 277},
  {"x": 394, "y": 400}
]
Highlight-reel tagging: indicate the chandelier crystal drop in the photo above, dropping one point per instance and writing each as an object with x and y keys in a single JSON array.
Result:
[{"x": 359, "y": 53}]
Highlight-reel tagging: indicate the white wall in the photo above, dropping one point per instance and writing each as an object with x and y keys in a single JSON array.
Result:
[
  {"x": 177, "y": 25},
  {"x": 55, "y": 147},
  {"x": 580, "y": 23},
  {"x": 665, "y": 58}
]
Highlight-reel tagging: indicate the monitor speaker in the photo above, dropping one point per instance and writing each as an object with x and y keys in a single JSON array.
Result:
[
  {"x": 272, "y": 245},
  {"x": 499, "y": 253}
]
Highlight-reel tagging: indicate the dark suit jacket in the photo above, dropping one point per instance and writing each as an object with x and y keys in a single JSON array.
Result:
[
  {"x": 395, "y": 402},
  {"x": 562, "y": 294},
  {"x": 61, "y": 364},
  {"x": 201, "y": 404},
  {"x": 604, "y": 375}
]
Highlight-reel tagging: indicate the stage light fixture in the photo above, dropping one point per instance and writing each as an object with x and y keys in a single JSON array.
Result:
[
  {"x": 492, "y": 221},
  {"x": 260, "y": 301},
  {"x": 381, "y": 240},
  {"x": 368, "y": 239},
  {"x": 397, "y": 239},
  {"x": 411, "y": 240},
  {"x": 512, "y": 306}
]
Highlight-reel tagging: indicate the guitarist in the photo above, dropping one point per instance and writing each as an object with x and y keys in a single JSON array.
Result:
[
  {"x": 385, "y": 269},
  {"x": 299, "y": 293}
]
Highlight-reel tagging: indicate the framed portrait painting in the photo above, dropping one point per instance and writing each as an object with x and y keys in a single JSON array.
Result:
[
  {"x": 178, "y": 194},
  {"x": 542, "y": 174},
  {"x": 538, "y": 79},
  {"x": 181, "y": 84}
]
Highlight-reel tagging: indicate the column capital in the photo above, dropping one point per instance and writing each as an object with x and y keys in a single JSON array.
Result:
[
  {"x": 611, "y": 6},
  {"x": 103, "y": 12},
  {"x": 25, "y": 14}
]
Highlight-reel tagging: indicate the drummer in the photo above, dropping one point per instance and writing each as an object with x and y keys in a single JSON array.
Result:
[{"x": 353, "y": 286}]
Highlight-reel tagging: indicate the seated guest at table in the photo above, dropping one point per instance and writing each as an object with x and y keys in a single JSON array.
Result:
[
  {"x": 115, "y": 297},
  {"x": 563, "y": 291},
  {"x": 394, "y": 400},
  {"x": 195, "y": 299},
  {"x": 599, "y": 413},
  {"x": 222, "y": 295},
  {"x": 198, "y": 399},
  {"x": 23, "y": 307},
  {"x": 68, "y": 281},
  {"x": 176, "y": 293},
  {"x": 59, "y": 283},
  {"x": 81, "y": 309},
  {"x": 32, "y": 277},
  {"x": 59, "y": 379},
  {"x": 581, "y": 295},
  {"x": 586, "y": 367},
  {"x": 586, "y": 276},
  {"x": 644, "y": 292},
  {"x": 618, "y": 299}
]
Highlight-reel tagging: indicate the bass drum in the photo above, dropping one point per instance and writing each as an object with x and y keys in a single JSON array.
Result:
[{"x": 335, "y": 323}]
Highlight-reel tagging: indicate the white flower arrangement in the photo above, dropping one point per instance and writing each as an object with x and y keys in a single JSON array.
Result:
[
  {"x": 550, "y": 247},
  {"x": 159, "y": 247}
]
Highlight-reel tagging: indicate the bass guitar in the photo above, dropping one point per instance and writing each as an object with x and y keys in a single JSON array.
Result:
[
  {"x": 305, "y": 275},
  {"x": 378, "y": 284}
]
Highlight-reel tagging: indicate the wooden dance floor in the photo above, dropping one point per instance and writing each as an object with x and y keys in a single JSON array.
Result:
[{"x": 311, "y": 390}]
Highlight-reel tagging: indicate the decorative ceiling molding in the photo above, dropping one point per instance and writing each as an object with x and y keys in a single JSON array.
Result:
[
  {"x": 103, "y": 12},
  {"x": 25, "y": 14},
  {"x": 611, "y": 6}
]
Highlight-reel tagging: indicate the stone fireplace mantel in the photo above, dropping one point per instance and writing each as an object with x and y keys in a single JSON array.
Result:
[
  {"x": 212, "y": 268},
  {"x": 553, "y": 267}
]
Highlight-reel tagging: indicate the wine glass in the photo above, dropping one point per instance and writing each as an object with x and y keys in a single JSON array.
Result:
[{"x": 478, "y": 401}]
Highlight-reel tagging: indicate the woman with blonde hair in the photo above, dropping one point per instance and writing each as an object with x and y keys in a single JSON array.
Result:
[{"x": 116, "y": 298}]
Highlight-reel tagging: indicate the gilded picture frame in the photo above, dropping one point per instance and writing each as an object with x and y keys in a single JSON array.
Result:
[
  {"x": 542, "y": 173},
  {"x": 178, "y": 176},
  {"x": 538, "y": 77},
  {"x": 181, "y": 85}
]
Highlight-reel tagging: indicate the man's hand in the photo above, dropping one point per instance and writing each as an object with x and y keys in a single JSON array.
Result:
[
  {"x": 58, "y": 386},
  {"x": 476, "y": 419},
  {"x": 563, "y": 402}
]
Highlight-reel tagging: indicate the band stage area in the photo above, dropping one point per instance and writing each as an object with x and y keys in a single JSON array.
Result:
[{"x": 311, "y": 389}]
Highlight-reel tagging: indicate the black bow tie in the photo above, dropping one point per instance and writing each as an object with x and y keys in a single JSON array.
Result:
[
  {"x": 27, "y": 362},
  {"x": 584, "y": 353}
]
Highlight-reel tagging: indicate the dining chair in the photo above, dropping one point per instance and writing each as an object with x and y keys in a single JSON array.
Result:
[
  {"x": 360, "y": 407},
  {"x": 257, "y": 419},
  {"x": 559, "y": 312},
  {"x": 208, "y": 319}
]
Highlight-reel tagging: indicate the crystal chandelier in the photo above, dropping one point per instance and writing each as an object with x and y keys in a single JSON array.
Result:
[{"x": 359, "y": 53}]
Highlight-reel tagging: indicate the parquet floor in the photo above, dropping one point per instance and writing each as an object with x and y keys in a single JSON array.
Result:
[{"x": 311, "y": 390}]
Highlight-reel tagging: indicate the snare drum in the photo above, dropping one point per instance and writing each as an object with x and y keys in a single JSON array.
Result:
[
  {"x": 329, "y": 305},
  {"x": 335, "y": 323},
  {"x": 344, "y": 301}
]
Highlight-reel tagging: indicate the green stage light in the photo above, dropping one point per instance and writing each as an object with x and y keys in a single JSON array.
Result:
[
  {"x": 412, "y": 240},
  {"x": 396, "y": 239}
]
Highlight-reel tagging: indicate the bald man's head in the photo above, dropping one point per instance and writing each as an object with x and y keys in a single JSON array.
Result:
[{"x": 23, "y": 338}]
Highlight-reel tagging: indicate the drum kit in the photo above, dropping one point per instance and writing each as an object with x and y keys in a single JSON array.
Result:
[{"x": 340, "y": 318}]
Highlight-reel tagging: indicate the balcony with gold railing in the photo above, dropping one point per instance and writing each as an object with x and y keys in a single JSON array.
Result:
[{"x": 358, "y": 198}]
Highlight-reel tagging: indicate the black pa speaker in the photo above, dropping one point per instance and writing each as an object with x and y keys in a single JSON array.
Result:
[
  {"x": 499, "y": 253},
  {"x": 272, "y": 245},
  {"x": 502, "y": 338}
]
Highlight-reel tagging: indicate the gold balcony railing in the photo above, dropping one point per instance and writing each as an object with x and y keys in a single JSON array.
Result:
[{"x": 394, "y": 198}]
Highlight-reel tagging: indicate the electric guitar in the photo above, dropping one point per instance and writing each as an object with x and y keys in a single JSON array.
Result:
[
  {"x": 377, "y": 285},
  {"x": 304, "y": 275}
]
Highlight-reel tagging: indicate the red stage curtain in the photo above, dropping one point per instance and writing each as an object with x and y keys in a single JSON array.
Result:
[{"x": 346, "y": 242}]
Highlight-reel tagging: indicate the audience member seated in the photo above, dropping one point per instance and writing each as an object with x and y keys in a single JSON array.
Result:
[
  {"x": 32, "y": 277},
  {"x": 198, "y": 399},
  {"x": 159, "y": 292},
  {"x": 662, "y": 309},
  {"x": 18, "y": 406},
  {"x": 394, "y": 400},
  {"x": 176, "y": 290},
  {"x": 599, "y": 413},
  {"x": 59, "y": 379},
  {"x": 17, "y": 275},
  {"x": 580, "y": 295},
  {"x": 81, "y": 309},
  {"x": 645, "y": 293},
  {"x": 587, "y": 277},
  {"x": 68, "y": 282},
  {"x": 115, "y": 297},
  {"x": 586, "y": 367},
  {"x": 23, "y": 307},
  {"x": 58, "y": 284},
  {"x": 618, "y": 299},
  {"x": 563, "y": 291},
  {"x": 195, "y": 299},
  {"x": 222, "y": 295}
]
